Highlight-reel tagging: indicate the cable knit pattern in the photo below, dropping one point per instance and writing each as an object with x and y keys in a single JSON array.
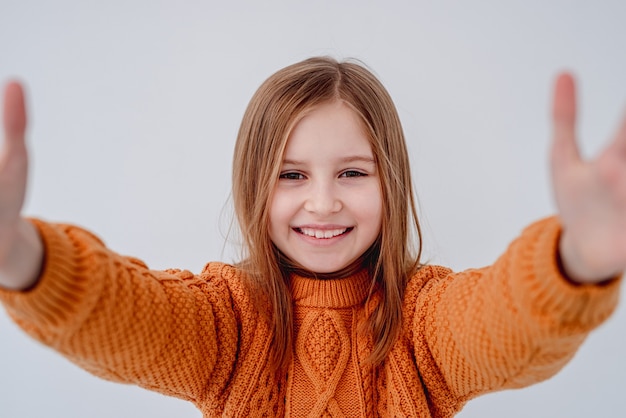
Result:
[{"x": 198, "y": 337}]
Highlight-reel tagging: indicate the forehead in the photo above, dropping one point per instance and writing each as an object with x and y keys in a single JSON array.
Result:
[{"x": 329, "y": 128}]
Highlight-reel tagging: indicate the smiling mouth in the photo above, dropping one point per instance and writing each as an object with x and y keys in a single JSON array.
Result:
[{"x": 323, "y": 233}]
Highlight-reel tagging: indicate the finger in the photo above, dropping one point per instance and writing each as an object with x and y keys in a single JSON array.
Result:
[
  {"x": 14, "y": 114},
  {"x": 13, "y": 154},
  {"x": 619, "y": 143},
  {"x": 564, "y": 148}
]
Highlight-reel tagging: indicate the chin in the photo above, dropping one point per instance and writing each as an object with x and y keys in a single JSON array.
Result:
[
  {"x": 338, "y": 269},
  {"x": 327, "y": 267}
]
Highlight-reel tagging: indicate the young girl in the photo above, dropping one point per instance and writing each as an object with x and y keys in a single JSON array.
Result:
[{"x": 331, "y": 312}]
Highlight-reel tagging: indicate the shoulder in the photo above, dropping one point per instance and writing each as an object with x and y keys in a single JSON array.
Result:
[
  {"x": 213, "y": 272},
  {"x": 221, "y": 270},
  {"x": 229, "y": 279},
  {"x": 423, "y": 279},
  {"x": 427, "y": 273},
  {"x": 430, "y": 271}
]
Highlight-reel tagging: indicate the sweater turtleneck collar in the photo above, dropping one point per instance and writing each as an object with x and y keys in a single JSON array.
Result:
[{"x": 330, "y": 293}]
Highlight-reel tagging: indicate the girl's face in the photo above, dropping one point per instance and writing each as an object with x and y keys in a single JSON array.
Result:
[{"x": 326, "y": 210}]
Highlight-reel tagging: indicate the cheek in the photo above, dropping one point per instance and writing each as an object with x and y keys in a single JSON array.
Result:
[
  {"x": 280, "y": 209},
  {"x": 370, "y": 206}
]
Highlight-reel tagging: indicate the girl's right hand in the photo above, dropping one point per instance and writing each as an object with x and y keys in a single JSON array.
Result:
[{"x": 21, "y": 249}]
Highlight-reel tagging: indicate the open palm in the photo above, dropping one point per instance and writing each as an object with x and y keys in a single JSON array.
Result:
[{"x": 590, "y": 195}]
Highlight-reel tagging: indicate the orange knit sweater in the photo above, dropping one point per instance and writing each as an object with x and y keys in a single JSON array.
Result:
[{"x": 197, "y": 337}]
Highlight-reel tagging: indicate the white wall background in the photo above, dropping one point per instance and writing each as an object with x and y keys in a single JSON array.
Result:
[{"x": 135, "y": 106}]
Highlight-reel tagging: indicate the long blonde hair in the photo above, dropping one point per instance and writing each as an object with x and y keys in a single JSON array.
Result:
[{"x": 272, "y": 113}]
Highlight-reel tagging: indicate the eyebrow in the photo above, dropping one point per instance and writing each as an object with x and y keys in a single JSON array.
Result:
[{"x": 350, "y": 159}]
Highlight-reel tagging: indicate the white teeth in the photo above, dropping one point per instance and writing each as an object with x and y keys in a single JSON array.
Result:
[{"x": 322, "y": 233}]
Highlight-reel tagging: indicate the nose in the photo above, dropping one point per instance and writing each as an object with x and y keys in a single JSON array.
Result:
[{"x": 323, "y": 200}]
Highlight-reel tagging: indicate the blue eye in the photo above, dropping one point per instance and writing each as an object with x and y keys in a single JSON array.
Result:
[
  {"x": 291, "y": 176},
  {"x": 353, "y": 173}
]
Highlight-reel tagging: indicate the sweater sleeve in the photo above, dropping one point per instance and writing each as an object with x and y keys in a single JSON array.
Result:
[
  {"x": 508, "y": 325},
  {"x": 111, "y": 315}
]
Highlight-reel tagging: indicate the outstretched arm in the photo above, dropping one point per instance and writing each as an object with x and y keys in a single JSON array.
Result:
[
  {"x": 517, "y": 321},
  {"x": 590, "y": 196},
  {"x": 21, "y": 249}
]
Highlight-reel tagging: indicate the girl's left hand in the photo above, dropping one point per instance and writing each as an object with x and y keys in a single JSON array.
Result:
[{"x": 590, "y": 196}]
